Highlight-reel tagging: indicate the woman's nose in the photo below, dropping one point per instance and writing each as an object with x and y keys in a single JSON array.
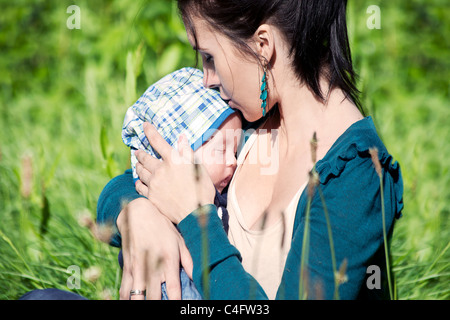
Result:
[{"x": 210, "y": 78}]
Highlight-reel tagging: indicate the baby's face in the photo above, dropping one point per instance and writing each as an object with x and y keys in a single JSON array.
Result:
[{"x": 218, "y": 154}]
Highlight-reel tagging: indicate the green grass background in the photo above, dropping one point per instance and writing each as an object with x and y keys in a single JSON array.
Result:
[{"x": 64, "y": 93}]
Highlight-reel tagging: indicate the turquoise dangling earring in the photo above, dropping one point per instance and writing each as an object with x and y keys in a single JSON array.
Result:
[{"x": 263, "y": 95}]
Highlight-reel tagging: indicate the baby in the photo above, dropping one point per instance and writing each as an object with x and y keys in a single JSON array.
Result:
[{"x": 180, "y": 104}]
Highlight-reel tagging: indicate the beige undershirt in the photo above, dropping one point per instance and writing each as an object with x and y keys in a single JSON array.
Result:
[{"x": 262, "y": 254}]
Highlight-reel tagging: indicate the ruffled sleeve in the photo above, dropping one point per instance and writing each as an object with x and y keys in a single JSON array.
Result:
[{"x": 356, "y": 142}]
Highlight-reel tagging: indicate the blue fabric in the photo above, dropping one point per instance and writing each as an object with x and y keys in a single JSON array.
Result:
[
  {"x": 188, "y": 289},
  {"x": 117, "y": 192},
  {"x": 51, "y": 294}
]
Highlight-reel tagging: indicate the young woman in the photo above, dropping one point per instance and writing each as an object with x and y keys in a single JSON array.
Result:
[{"x": 319, "y": 207}]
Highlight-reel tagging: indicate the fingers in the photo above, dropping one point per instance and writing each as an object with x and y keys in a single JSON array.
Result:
[
  {"x": 154, "y": 287},
  {"x": 146, "y": 161},
  {"x": 144, "y": 276},
  {"x": 142, "y": 172},
  {"x": 151, "y": 280},
  {"x": 186, "y": 260},
  {"x": 139, "y": 282},
  {"x": 140, "y": 188},
  {"x": 173, "y": 283},
  {"x": 129, "y": 283},
  {"x": 157, "y": 141},
  {"x": 138, "y": 296},
  {"x": 125, "y": 286}
]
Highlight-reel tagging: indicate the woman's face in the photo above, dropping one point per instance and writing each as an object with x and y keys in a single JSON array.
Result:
[{"x": 238, "y": 77}]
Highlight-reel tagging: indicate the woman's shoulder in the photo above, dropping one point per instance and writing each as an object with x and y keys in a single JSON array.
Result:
[
  {"x": 355, "y": 145},
  {"x": 349, "y": 181},
  {"x": 347, "y": 172}
]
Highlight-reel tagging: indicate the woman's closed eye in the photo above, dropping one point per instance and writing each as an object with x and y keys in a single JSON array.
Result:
[{"x": 207, "y": 58}]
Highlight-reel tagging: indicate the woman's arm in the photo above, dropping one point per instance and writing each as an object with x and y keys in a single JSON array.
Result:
[
  {"x": 153, "y": 250},
  {"x": 117, "y": 193},
  {"x": 152, "y": 246},
  {"x": 221, "y": 276}
]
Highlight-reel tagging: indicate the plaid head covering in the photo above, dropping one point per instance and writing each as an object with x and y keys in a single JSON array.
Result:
[{"x": 177, "y": 104}]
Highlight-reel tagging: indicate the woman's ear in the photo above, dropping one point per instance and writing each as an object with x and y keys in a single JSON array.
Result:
[{"x": 265, "y": 42}]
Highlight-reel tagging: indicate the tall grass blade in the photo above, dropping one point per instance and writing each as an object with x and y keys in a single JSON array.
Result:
[
  {"x": 303, "y": 294},
  {"x": 378, "y": 168},
  {"x": 9, "y": 242},
  {"x": 337, "y": 276}
]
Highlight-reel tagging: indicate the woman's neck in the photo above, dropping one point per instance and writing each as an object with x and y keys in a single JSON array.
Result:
[{"x": 301, "y": 115}]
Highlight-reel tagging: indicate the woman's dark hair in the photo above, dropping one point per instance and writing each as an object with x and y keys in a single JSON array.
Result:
[{"x": 316, "y": 30}]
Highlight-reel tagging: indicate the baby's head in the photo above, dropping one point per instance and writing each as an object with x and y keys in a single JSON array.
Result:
[
  {"x": 180, "y": 104},
  {"x": 218, "y": 153}
]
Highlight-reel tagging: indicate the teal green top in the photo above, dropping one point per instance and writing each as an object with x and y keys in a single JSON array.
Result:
[{"x": 351, "y": 189}]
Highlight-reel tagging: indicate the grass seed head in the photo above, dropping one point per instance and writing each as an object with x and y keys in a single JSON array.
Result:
[
  {"x": 92, "y": 274},
  {"x": 313, "y": 182},
  {"x": 27, "y": 176},
  {"x": 313, "y": 144},
  {"x": 202, "y": 216},
  {"x": 376, "y": 162},
  {"x": 341, "y": 275}
]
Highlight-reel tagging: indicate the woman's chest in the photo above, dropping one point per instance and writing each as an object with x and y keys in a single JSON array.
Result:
[{"x": 264, "y": 189}]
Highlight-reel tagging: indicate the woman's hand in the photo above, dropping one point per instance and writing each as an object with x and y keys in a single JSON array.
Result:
[
  {"x": 152, "y": 250},
  {"x": 176, "y": 185}
]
